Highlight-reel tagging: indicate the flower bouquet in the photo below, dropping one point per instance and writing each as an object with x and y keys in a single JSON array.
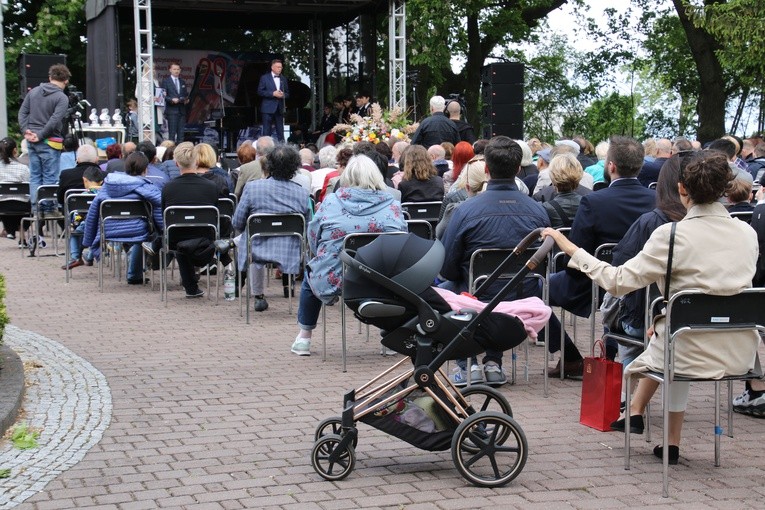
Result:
[{"x": 380, "y": 126}]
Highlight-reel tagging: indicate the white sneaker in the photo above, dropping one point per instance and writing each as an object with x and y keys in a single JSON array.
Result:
[{"x": 302, "y": 346}]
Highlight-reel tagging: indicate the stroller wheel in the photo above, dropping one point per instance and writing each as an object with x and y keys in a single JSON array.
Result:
[
  {"x": 330, "y": 459},
  {"x": 479, "y": 451},
  {"x": 331, "y": 426},
  {"x": 485, "y": 398}
]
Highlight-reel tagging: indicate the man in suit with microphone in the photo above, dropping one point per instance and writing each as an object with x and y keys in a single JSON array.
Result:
[
  {"x": 274, "y": 90},
  {"x": 176, "y": 98}
]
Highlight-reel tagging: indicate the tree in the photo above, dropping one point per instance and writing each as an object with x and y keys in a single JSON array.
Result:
[
  {"x": 50, "y": 26},
  {"x": 471, "y": 30},
  {"x": 607, "y": 116},
  {"x": 557, "y": 86}
]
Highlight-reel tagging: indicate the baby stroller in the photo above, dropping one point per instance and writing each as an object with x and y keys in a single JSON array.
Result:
[{"x": 388, "y": 284}]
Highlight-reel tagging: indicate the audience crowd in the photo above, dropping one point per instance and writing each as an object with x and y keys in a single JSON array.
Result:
[{"x": 492, "y": 193}]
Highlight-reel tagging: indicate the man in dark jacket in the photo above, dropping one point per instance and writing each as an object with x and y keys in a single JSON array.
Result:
[
  {"x": 72, "y": 177},
  {"x": 465, "y": 130},
  {"x": 603, "y": 216},
  {"x": 500, "y": 217},
  {"x": 41, "y": 119},
  {"x": 437, "y": 128}
]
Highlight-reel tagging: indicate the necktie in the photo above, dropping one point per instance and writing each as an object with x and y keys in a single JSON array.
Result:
[{"x": 177, "y": 85}]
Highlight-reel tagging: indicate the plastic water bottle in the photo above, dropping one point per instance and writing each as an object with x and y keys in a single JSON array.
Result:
[{"x": 229, "y": 285}]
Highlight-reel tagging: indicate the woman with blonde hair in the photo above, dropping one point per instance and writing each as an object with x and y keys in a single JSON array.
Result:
[
  {"x": 474, "y": 179},
  {"x": 565, "y": 174},
  {"x": 207, "y": 161},
  {"x": 420, "y": 182}
]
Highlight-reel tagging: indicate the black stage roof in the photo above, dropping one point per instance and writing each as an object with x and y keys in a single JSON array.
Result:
[{"x": 245, "y": 14}]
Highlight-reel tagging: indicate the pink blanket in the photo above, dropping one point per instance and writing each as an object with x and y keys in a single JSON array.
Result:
[{"x": 532, "y": 311}]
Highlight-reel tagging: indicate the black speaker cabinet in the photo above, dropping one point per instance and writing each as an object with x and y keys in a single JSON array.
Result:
[
  {"x": 502, "y": 97},
  {"x": 33, "y": 70}
]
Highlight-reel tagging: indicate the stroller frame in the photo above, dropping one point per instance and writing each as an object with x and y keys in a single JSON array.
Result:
[{"x": 475, "y": 434}]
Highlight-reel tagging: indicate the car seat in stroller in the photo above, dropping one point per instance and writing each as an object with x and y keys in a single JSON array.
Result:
[{"x": 388, "y": 284}]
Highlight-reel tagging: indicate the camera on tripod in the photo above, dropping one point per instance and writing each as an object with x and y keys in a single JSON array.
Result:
[{"x": 77, "y": 101}]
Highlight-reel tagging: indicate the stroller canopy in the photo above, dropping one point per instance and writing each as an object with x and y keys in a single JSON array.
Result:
[{"x": 409, "y": 260}]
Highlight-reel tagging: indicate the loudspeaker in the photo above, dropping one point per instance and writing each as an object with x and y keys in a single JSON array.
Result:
[
  {"x": 33, "y": 70},
  {"x": 502, "y": 97}
]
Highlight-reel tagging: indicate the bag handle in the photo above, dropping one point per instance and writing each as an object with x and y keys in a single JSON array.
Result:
[{"x": 599, "y": 342}]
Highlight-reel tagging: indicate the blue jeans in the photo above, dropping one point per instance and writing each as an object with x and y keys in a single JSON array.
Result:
[
  {"x": 309, "y": 307},
  {"x": 75, "y": 244},
  {"x": 628, "y": 353},
  {"x": 43, "y": 168},
  {"x": 135, "y": 262}
]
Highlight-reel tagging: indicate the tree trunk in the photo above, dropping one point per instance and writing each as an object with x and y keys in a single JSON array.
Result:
[{"x": 711, "y": 103}]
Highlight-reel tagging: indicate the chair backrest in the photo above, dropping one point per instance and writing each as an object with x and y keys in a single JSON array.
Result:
[
  {"x": 422, "y": 210},
  {"x": 696, "y": 310},
  {"x": 652, "y": 185},
  {"x": 275, "y": 225},
  {"x": 555, "y": 261},
  {"x": 204, "y": 219},
  {"x": 604, "y": 252},
  {"x": 47, "y": 192},
  {"x": 125, "y": 209},
  {"x": 14, "y": 191},
  {"x": 233, "y": 197},
  {"x": 78, "y": 202},
  {"x": 74, "y": 191},
  {"x": 421, "y": 228},
  {"x": 745, "y": 216},
  {"x": 485, "y": 261},
  {"x": 226, "y": 207}
]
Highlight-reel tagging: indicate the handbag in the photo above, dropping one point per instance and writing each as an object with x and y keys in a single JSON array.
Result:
[
  {"x": 601, "y": 391},
  {"x": 612, "y": 308}
]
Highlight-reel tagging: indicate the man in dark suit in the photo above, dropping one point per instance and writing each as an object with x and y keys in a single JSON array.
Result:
[
  {"x": 603, "y": 216},
  {"x": 177, "y": 96},
  {"x": 274, "y": 90},
  {"x": 363, "y": 104}
]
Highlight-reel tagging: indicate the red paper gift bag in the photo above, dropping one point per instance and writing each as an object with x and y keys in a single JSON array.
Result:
[{"x": 601, "y": 392}]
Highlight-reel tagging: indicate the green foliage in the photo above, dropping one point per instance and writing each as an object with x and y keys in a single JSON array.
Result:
[
  {"x": 24, "y": 437},
  {"x": 49, "y": 26},
  {"x": 611, "y": 115},
  {"x": 5, "y": 473},
  {"x": 739, "y": 27},
  {"x": 4, "y": 319},
  {"x": 558, "y": 86}
]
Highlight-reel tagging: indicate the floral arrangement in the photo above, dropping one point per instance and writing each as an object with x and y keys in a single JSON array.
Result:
[{"x": 380, "y": 126}]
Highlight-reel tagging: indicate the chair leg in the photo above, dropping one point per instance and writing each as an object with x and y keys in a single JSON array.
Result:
[
  {"x": 342, "y": 333},
  {"x": 718, "y": 428},
  {"x": 324, "y": 332},
  {"x": 563, "y": 341},
  {"x": 627, "y": 403},
  {"x": 665, "y": 439},
  {"x": 730, "y": 409}
]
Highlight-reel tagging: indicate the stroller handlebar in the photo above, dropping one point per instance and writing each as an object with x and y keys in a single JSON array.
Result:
[
  {"x": 527, "y": 241},
  {"x": 541, "y": 252}
]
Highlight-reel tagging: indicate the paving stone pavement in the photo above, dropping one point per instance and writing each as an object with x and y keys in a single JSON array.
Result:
[
  {"x": 208, "y": 412},
  {"x": 67, "y": 400}
]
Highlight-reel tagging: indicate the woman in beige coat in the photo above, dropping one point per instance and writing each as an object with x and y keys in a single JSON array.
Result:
[{"x": 713, "y": 253}]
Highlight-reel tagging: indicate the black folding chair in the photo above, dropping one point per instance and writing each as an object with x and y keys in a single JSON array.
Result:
[
  {"x": 14, "y": 201},
  {"x": 75, "y": 204},
  {"x": 273, "y": 225},
  {"x": 47, "y": 197},
  {"x": 690, "y": 312},
  {"x": 192, "y": 221},
  {"x": 483, "y": 263},
  {"x": 120, "y": 210},
  {"x": 422, "y": 228}
]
